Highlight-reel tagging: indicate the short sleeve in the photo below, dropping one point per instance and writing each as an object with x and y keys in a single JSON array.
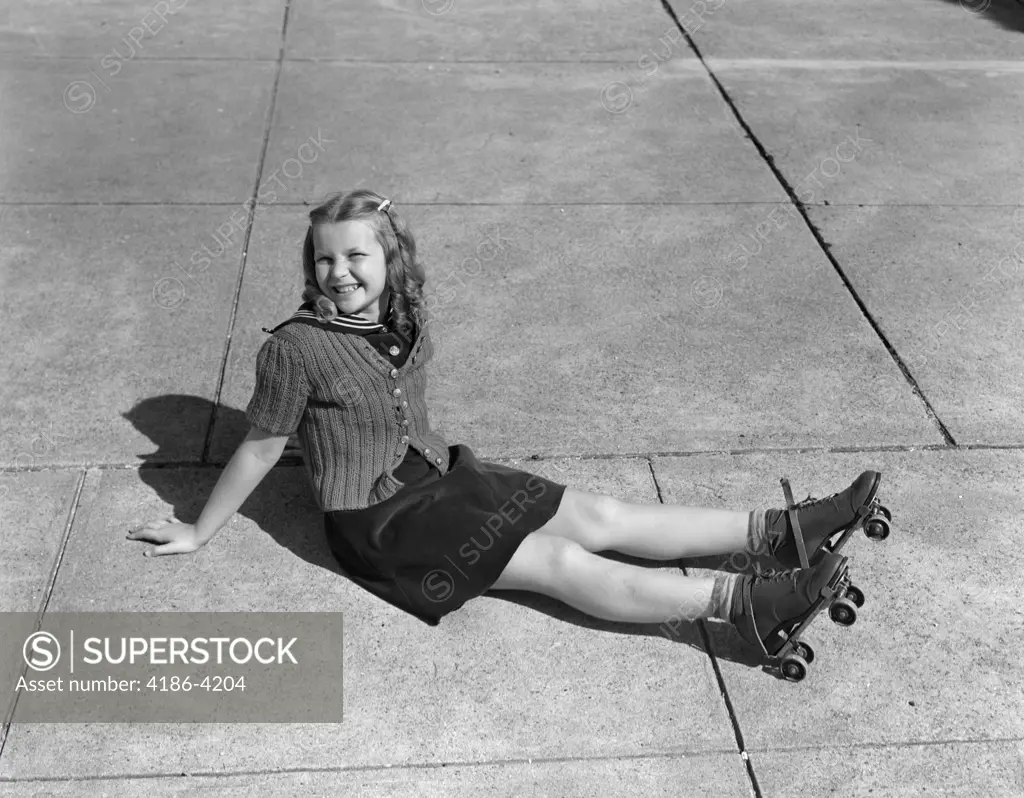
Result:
[{"x": 279, "y": 398}]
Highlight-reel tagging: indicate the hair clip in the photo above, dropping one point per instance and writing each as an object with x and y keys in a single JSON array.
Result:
[{"x": 384, "y": 205}]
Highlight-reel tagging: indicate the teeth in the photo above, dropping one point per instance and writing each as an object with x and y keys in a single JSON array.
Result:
[{"x": 346, "y": 289}]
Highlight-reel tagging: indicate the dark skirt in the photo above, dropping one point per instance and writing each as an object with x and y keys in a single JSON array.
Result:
[{"x": 436, "y": 544}]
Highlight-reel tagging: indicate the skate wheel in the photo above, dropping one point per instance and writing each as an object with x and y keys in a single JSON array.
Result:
[
  {"x": 856, "y": 595},
  {"x": 843, "y": 612},
  {"x": 804, "y": 651},
  {"x": 794, "y": 668},
  {"x": 877, "y": 528},
  {"x": 885, "y": 511}
]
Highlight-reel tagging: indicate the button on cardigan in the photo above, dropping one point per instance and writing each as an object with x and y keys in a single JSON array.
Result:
[{"x": 356, "y": 414}]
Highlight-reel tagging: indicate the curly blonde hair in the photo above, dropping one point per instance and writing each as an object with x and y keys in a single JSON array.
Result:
[{"x": 405, "y": 274}]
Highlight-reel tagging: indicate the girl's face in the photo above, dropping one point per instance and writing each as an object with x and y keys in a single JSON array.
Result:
[{"x": 350, "y": 268}]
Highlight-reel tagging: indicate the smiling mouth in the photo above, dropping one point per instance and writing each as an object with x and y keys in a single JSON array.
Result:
[{"x": 346, "y": 289}]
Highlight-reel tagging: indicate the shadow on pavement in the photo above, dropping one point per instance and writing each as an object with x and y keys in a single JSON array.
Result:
[
  {"x": 725, "y": 642},
  {"x": 1007, "y": 14},
  {"x": 282, "y": 505}
]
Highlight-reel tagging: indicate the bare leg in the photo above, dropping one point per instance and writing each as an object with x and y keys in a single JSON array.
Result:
[
  {"x": 560, "y": 568},
  {"x": 653, "y": 531}
]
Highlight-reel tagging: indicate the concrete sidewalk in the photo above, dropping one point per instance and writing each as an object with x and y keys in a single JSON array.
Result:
[{"x": 691, "y": 249}]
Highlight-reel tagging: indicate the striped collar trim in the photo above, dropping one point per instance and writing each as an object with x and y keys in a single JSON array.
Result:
[{"x": 343, "y": 321}]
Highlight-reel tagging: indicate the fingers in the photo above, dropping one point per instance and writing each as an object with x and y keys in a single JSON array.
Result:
[
  {"x": 169, "y": 533},
  {"x": 150, "y": 532},
  {"x": 156, "y": 551},
  {"x": 172, "y": 536},
  {"x": 135, "y": 534},
  {"x": 174, "y": 547}
]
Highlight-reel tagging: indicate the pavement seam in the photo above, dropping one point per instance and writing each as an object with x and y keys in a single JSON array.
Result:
[
  {"x": 487, "y": 763},
  {"x": 70, "y": 516},
  {"x": 730, "y": 709},
  {"x": 808, "y": 64},
  {"x": 893, "y": 744},
  {"x": 485, "y": 204},
  {"x": 250, "y": 223},
  {"x": 723, "y": 691},
  {"x": 825, "y": 64},
  {"x": 823, "y": 245},
  {"x": 292, "y": 462},
  {"x": 521, "y": 760},
  {"x": 654, "y": 479}
]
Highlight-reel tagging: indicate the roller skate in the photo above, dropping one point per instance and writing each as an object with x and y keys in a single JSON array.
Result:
[
  {"x": 821, "y": 526},
  {"x": 772, "y": 612}
]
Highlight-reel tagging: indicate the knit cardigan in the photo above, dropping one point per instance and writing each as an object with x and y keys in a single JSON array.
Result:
[{"x": 355, "y": 412}]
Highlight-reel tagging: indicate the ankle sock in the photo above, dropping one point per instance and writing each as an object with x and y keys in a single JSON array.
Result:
[
  {"x": 724, "y": 595},
  {"x": 765, "y": 529}
]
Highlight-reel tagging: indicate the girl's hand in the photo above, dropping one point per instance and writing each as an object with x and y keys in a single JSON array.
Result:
[{"x": 176, "y": 537}]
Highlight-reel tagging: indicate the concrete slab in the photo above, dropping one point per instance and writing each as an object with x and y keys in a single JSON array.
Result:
[
  {"x": 508, "y": 676},
  {"x": 610, "y": 330},
  {"x": 116, "y": 32},
  {"x": 659, "y": 775},
  {"x": 941, "y": 609},
  {"x": 136, "y": 340},
  {"x": 34, "y": 512},
  {"x": 446, "y": 30},
  {"x": 71, "y": 135},
  {"x": 913, "y": 31},
  {"x": 947, "y": 769},
  {"x": 881, "y": 135},
  {"x": 946, "y": 285},
  {"x": 520, "y": 133}
]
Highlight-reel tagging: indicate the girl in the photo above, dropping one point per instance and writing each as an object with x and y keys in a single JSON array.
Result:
[{"x": 426, "y": 526}]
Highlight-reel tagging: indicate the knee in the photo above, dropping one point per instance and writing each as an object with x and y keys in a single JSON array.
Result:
[
  {"x": 608, "y": 512},
  {"x": 577, "y": 575},
  {"x": 604, "y": 518},
  {"x": 563, "y": 557}
]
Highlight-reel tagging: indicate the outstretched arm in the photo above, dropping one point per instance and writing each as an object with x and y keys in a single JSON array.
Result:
[{"x": 248, "y": 466}]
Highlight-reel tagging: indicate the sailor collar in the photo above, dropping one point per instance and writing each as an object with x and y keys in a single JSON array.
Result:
[{"x": 345, "y": 322}]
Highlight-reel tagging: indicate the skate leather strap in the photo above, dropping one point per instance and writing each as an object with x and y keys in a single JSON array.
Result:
[
  {"x": 747, "y": 623},
  {"x": 798, "y": 535}
]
